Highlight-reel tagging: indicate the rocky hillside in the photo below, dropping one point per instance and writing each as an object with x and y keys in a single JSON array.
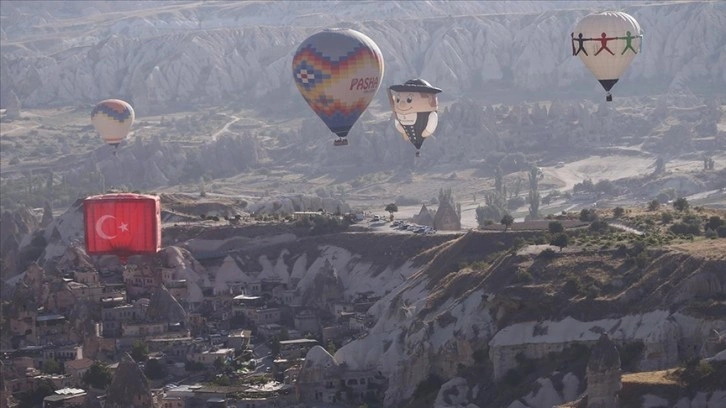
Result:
[
  {"x": 463, "y": 314},
  {"x": 163, "y": 58}
]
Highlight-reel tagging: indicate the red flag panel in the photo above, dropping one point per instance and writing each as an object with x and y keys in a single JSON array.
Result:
[{"x": 122, "y": 224}]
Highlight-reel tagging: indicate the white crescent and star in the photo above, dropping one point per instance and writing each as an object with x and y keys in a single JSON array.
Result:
[{"x": 124, "y": 227}]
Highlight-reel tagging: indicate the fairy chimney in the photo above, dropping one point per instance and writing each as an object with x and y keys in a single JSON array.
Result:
[
  {"x": 129, "y": 387},
  {"x": 13, "y": 107},
  {"x": 603, "y": 374}
]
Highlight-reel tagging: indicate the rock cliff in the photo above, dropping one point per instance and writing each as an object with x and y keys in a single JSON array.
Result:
[{"x": 218, "y": 53}]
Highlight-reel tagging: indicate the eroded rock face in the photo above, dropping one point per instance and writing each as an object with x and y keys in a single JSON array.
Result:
[
  {"x": 159, "y": 66},
  {"x": 129, "y": 387}
]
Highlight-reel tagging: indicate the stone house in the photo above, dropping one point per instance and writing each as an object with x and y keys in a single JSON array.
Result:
[
  {"x": 319, "y": 378},
  {"x": 141, "y": 280},
  {"x": 65, "y": 398},
  {"x": 307, "y": 321},
  {"x": 262, "y": 316},
  {"x": 77, "y": 368},
  {"x": 209, "y": 356},
  {"x": 297, "y": 348}
]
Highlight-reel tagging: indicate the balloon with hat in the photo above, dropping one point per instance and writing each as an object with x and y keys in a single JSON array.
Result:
[{"x": 415, "y": 106}]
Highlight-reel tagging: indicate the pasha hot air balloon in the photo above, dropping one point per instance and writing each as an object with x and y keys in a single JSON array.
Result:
[
  {"x": 415, "y": 107},
  {"x": 338, "y": 72},
  {"x": 122, "y": 224},
  {"x": 606, "y": 43},
  {"x": 112, "y": 119}
]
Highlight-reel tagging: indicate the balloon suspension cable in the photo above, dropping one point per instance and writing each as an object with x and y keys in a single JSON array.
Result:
[{"x": 609, "y": 97}]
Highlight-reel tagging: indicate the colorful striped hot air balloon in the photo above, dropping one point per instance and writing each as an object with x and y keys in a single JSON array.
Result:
[
  {"x": 338, "y": 72},
  {"x": 112, "y": 119}
]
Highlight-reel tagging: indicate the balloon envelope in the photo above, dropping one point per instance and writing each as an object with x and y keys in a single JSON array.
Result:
[
  {"x": 338, "y": 72},
  {"x": 122, "y": 224},
  {"x": 606, "y": 43},
  {"x": 112, "y": 119},
  {"x": 414, "y": 105}
]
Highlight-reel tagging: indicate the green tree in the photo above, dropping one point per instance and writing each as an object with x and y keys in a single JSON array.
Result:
[
  {"x": 155, "y": 369},
  {"x": 218, "y": 364},
  {"x": 391, "y": 208},
  {"x": 618, "y": 212},
  {"x": 98, "y": 376},
  {"x": 34, "y": 398},
  {"x": 51, "y": 367},
  {"x": 560, "y": 240},
  {"x": 555, "y": 227},
  {"x": 496, "y": 207},
  {"x": 681, "y": 204},
  {"x": 139, "y": 351},
  {"x": 498, "y": 180},
  {"x": 714, "y": 222},
  {"x": 653, "y": 205},
  {"x": 507, "y": 221}
]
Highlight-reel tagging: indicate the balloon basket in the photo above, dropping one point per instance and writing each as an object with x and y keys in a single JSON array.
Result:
[
  {"x": 418, "y": 153},
  {"x": 340, "y": 142},
  {"x": 609, "y": 97}
]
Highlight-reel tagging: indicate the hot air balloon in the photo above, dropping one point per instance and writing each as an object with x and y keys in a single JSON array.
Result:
[
  {"x": 606, "y": 43},
  {"x": 112, "y": 119},
  {"x": 415, "y": 107},
  {"x": 122, "y": 224},
  {"x": 338, "y": 72}
]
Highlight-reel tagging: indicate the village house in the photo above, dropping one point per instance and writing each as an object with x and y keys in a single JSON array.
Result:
[
  {"x": 62, "y": 352},
  {"x": 64, "y": 398},
  {"x": 175, "y": 348},
  {"x": 114, "y": 317},
  {"x": 270, "y": 330},
  {"x": 297, "y": 348},
  {"x": 262, "y": 316},
  {"x": 141, "y": 280},
  {"x": 52, "y": 327},
  {"x": 307, "y": 321},
  {"x": 173, "y": 402},
  {"x": 209, "y": 356},
  {"x": 77, "y": 368},
  {"x": 239, "y": 339}
]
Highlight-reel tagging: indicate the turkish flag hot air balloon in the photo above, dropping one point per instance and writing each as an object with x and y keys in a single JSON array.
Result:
[
  {"x": 606, "y": 43},
  {"x": 112, "y": 119},
  {"x": 122, "y": 224},
  {"x": 338, "y": 72}
]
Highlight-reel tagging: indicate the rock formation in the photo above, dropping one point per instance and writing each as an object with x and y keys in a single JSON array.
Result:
[
  {"x": 13, "y": 106},
  {"x": 446, "y": 218},
  {"x": 524, "y": 51},
  {"x": 129, "y": 387},
  {"x": 603, "y": 374},
  {"x": 424, "y": 217},
  {"x": 163, "y": 307}
]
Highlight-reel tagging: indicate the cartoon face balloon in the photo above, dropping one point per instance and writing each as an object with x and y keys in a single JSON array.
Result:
[
  {"x": 338, "y": 72},
  {"x": 606, "y": 43},
  {"x": 112, "y": 119},
  {"x": 415, "y": 107}
]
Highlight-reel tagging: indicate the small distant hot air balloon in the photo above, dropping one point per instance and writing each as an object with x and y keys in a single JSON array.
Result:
[
  {"x": 606, "y": 43},
  {"x": 122, "y": 224},
  {"x": 112, "y": 119},
  {"x": 338, "y": 72},
  {"x": 415, "y": 107}
]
